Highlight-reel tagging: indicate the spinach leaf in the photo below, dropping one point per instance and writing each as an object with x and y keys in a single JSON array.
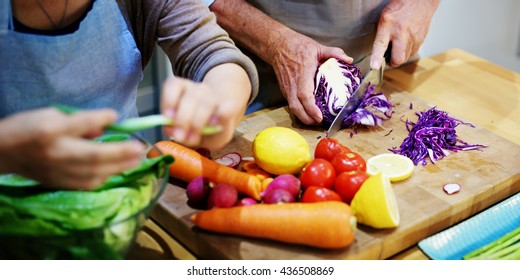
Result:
[{"x": 14, "y": 180}]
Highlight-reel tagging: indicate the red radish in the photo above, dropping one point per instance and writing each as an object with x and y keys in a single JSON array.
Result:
[
  {"x": 287, "y": 182},
  {"x": 189, "y": 164},
  {"x": 246, "y": 201},
  {"x": 231, "y": 160},
  {"x": 278, "y": 196},
  {"x": 198, "y": 190},
  {"x": 222, "y": 196},
  {"x": 451, "y": 188}
]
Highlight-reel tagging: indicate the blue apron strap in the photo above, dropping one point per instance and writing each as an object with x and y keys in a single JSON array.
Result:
[{"x": 5, "y": 16}]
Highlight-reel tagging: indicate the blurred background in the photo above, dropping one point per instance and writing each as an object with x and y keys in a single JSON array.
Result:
[{"x": 488, "y": 29}]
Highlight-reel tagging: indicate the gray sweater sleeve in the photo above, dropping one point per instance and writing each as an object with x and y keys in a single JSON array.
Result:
[{"x": 188, "y": 33}]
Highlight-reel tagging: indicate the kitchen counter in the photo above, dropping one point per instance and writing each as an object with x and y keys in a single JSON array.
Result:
[{"x": 470, "y": 87}]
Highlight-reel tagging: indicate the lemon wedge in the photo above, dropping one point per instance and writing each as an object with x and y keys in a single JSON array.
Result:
[
  {"x": 375, "y": 204},
  {"x": 394, "y": 166},
  {"x": 281, "y": 150}
]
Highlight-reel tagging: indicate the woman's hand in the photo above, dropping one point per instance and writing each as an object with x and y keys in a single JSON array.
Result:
[
  {"x": 220, "y": 99},
  {"x": 51, "y": 148}
]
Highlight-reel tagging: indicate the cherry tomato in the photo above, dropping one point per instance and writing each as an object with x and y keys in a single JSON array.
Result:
[
  {"x": 348, "y": 162},
  {"x": 327, "y": 148},
  {"x": 348, "y": 183},
  {"x": 317, "y": 194},
  {"x": 319, "y": 173}
]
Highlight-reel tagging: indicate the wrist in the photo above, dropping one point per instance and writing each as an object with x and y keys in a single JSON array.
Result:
[{"x": 230, "y": 82}]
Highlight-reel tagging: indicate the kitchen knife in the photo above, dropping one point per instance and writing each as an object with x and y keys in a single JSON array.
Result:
[{"x": 373, "y": 77}]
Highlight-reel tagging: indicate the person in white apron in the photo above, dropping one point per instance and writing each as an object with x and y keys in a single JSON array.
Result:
[
  {"x": 92, "y": 63},
  {"x": 287, "y": 40}
]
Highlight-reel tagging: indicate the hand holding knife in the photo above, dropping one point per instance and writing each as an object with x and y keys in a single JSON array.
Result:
[{"x": 373, "y": 77}]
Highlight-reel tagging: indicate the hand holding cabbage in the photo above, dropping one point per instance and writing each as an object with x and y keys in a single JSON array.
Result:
[
  {"x": 335, "y": 83},
  {"x": 295, "y": 59}
]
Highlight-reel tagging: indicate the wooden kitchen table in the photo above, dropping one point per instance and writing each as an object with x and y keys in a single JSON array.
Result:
[{"x": 465, "y": 85}]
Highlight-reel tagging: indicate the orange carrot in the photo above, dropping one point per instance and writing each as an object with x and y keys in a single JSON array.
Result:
[
  {"x": 260, "y": 173},
  {"x": 250, "y": 165},
  {"x": 328, "y": 224},
  {"x": 266, "y": 182},
  {"x": 189, "y": 164}
]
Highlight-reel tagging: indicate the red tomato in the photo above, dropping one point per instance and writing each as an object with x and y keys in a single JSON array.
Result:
[
  {"x": 350, "y": 161},
  {"x": 319, "y": 173},
  {"x": 327, "y": 148},
  {"x": 348, "y": 183},
  {"x": 317, "y": 194}
]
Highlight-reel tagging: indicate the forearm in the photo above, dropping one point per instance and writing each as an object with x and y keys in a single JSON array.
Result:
[
  {"x": 232, "y": 86},
  {"x": 250, "y": 27},
  {"x": 5, "y": 145}
]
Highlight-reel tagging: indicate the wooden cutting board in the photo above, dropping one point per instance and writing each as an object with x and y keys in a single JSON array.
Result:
[{"x": 486, "y": 177}]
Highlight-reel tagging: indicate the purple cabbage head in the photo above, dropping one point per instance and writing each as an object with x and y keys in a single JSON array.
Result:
[{"x": 335, "y": 83}]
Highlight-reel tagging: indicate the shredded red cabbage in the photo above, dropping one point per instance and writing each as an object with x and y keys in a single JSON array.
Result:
[
  {"x": 433, "y": 137},
  {"x": 335, "y": 83},
  {"x": 367, "y": 113}
]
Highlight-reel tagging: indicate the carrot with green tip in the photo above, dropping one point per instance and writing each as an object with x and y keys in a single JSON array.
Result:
[{"x": 189, "y": 164}]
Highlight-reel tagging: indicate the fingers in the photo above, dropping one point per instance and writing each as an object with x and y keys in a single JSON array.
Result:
[
  {"x": 81, "y": 151},
  {"x": 306, "y": 97},
  {"x": 401, "y": 51},
  {"x": 301, "y": 98},
  {"x": 89, "y": 122},
  {"x": 194, "y": 114},
  {"x": 172, "y": 91},
  {"x": 44, "y": 125},
  {"x": 191, "y": 105},
  {"x": 81, "y": 164},
  {"x": 299, "y": 111},
  {"x": 380, "y": 46},
  {"x": 338, "y": 53}
]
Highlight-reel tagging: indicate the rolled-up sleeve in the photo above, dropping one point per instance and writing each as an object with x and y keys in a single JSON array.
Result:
[{"x": 189, "y": 34}]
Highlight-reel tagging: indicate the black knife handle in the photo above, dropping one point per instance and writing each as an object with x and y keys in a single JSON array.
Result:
[{"x": 388, "y": 53}]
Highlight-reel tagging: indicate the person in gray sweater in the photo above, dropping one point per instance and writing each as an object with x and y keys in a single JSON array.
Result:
[{"x": 91, "y": 54}]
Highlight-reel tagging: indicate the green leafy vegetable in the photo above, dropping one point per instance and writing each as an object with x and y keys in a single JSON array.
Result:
[
  {"x": 141, "y": 123},
  {"x": 506, "y": 247},
  {"x": 44, "y": 223},
  {"x": 14, "y": 180}
]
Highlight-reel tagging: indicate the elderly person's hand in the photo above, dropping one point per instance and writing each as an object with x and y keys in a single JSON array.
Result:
[
  {"x": 295, "y": 59},
  {"x": 405, "y": 23},
  {"x": 51, "y": 148}
]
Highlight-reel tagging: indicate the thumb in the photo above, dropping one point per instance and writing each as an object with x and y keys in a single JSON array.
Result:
[{"x": 89, "y": 122}]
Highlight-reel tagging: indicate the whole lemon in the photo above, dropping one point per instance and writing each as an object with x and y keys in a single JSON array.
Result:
[{"x": 281, "y": 150}]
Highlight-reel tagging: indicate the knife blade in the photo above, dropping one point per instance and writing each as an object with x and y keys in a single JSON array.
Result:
[{"x": 373, "y": 77}]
